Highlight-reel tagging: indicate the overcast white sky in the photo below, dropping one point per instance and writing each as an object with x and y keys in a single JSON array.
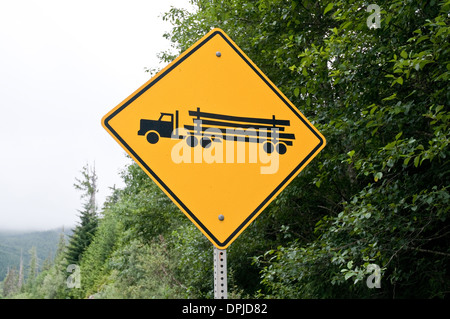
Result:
[{"x": 63, "y": 65}]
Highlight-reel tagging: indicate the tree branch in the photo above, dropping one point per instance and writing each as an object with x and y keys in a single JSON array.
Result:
[{"x": 428, "y": 251}]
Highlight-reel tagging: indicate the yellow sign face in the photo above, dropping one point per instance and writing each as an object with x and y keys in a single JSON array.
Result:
[{"x": 216, "y": 135}]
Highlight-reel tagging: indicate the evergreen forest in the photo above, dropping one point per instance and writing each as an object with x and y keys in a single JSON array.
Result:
[{"x": 367, "y": 218}]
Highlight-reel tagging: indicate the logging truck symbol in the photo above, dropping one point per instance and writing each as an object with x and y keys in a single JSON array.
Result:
[{"x": 270, "y": 132}]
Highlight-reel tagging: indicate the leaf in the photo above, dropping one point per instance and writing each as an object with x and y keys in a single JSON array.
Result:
[
  {"x": 416, "y": 160},
  {"x": 303, "y": 90},
  {"x": 350, "y": 264},
  {"x": 406, "y": 161},
  {"x": 349, "y": 274},
  {"x": 304, "y": 72},
  {"x": 390, "y": 162},
  {"x": 328, "y": 8},
  {"x": 373, "y": 110},
  {"x": 404, "y": 55},
  {"x": 378, "y": 176},
  {"x": 422, "y": 38},
  {"x": 393, "y": 96},
  {"x": 296, "y": 92}
]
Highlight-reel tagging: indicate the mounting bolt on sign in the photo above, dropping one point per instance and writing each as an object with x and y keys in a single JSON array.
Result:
[{"x": 213, "y": 132}]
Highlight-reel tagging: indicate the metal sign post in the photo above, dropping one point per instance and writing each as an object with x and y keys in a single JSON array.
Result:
[{"x": 220, "y": 274}]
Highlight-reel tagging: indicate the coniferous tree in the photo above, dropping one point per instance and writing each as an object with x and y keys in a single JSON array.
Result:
[
  {"x": 20, "y": 278},
  {"x": 54, "y": 284},
  {"x": 85, "y": 230},
  {"x": 10, "y": 282},
  {"x": 33, "y": 270},
  {"x": 60, "y": 251}
]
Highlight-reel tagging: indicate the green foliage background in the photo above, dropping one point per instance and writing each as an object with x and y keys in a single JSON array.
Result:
[{"x": 377, "y": 194}]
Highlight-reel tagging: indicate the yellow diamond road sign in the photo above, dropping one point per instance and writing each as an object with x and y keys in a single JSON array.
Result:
[{"x": 216, "y": 135}]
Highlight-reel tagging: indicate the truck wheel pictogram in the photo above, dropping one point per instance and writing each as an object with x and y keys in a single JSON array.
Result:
[
  {"x": 281, "y": 148},
  {"x": 152, "y": 137},
  {"x": 205, "y": 142},
  {"x": 268, "y": 147},
  {"x": 192, "y": 141}
]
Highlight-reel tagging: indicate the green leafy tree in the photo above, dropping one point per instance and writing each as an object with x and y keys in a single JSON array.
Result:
[
  {"x": 142, "y": 270},
  {"x": 378, "y": 192}
]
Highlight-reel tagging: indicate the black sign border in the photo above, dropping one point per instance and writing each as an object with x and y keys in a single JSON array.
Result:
[{"x": 161, "y": 182}]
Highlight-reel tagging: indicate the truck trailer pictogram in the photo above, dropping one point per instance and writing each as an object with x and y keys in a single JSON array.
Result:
[{"x": 209, "y": 128}]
